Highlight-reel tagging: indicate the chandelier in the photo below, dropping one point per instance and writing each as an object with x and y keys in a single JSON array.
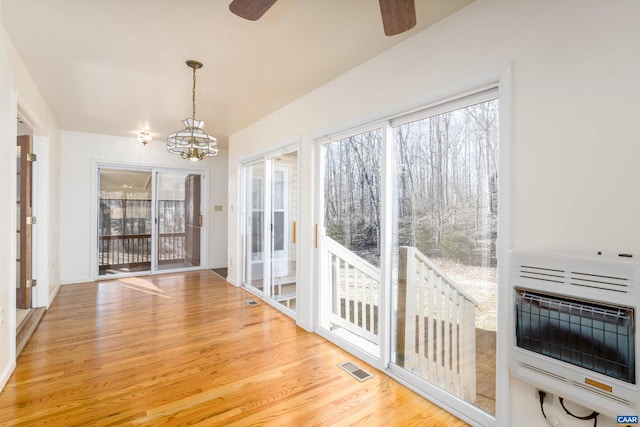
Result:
[{"x": 191, "y": 142}]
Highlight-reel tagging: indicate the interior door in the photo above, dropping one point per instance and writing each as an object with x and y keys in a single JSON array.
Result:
[{"x": 24, "y": 223}]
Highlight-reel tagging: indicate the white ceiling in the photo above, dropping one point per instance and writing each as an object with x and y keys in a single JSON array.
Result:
[{"x": 115, "y": 66}]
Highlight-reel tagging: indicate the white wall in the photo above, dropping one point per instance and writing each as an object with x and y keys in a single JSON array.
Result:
[
  {"x": 575, "y": 145},
  {"x": 18, "y": 94},
  {"x": 7, "y": 212},
  {"x": 80, "y": 154}
]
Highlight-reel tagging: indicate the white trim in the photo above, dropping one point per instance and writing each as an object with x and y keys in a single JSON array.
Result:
[
  {"x": 10, "y": 308},
  {"x": 385, "y": 309},
  {"x": 369, "y": 127},
  {"x": 53, "y": 295},
  {"x": 318, "y": 211},
  {"x": 411, "y": 105},
  {"x": 277, "y": 150},
  {"x": 466, "y": 99},
  {"x": 31, "y": 119},
  {"x": 6, "y": 373},
  {"x": 504, "y": 315}
]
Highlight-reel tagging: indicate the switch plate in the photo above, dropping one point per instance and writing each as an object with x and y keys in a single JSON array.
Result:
[{"x": 1, "y": 315}]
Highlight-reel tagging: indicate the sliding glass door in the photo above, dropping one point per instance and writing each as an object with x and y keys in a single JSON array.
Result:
[
  {"x": 284, "y": 202},
  {"x": 446, "y": 230},
  {"x": 148, "y": 220},
  {"x": 124, "y": 221},
  {"x": 407, "y": 252},
  {"x": 254, "y": 253},
  {"x": 270, "y": 206},
  {"x": 351, "y": 239}
]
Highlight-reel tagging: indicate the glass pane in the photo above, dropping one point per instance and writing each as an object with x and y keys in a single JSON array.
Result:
[
  {"x": 278, "y": 231},
  {"x": 446, "y": 231},
  {"x": 254, "y": 253},
  {"x": 179, "y": 229},
  {"x": 284, "y": 202},
  {"x": 351, "y": 281},
  {"x": 124, "y": 221},
  {"x": 352, "y": 194}
]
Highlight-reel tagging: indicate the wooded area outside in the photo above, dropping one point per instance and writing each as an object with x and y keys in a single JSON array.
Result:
[
  {"x": 446, "y": 187},
  {"x": 352, "y": 193}
]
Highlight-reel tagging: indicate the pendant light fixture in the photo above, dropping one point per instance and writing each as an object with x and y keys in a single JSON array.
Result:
[{"x": 191, "y": 142}]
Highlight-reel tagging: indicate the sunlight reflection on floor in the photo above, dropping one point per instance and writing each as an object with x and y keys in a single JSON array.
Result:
[{"x": 142, "y": 285}]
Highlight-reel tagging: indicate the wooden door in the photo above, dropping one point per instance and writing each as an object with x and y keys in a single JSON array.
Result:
[{"x": 24, "y": 223}]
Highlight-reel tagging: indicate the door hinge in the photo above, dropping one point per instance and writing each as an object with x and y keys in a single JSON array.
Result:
[
  {"x": 31, "y": 157},
  {"x": 31, "y": 283},
  {"x": 31, "y": 220},
  {"x": 200, "y": 220}
]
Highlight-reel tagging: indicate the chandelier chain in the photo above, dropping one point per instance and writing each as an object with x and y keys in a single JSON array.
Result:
[{"x": 194, "y": 93}]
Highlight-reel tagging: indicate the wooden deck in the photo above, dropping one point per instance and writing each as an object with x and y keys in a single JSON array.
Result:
[{"x": 184, "y": 349}]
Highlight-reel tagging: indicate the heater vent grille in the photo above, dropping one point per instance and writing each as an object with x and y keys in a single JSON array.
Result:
[
  {"x": 555, "y": 277},
  {"x": 601, "y": 393},
  {"x": 606, "y": 283}
]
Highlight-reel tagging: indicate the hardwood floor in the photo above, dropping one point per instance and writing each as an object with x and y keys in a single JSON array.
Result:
[{"x": 185, "y": 349}]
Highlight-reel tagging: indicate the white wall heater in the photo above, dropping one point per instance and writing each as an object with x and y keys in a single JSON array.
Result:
[{"x": 574, "y": 328}]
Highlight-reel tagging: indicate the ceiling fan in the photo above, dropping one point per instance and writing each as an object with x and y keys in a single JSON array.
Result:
[{"x": 398, "y": 16}]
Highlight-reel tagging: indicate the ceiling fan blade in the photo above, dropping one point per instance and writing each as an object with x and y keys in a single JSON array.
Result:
[
  {"x": 398, "y": 16},
  {"x": 250, "y": 9}
]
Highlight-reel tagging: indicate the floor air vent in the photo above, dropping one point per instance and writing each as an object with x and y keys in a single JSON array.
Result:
[
  {"x": 250, "y": 301},
  {"x": 355, "y": 371}
]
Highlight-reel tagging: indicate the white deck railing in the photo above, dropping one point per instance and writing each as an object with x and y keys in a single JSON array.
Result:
[
  {"x": 355, "y": 287},
  {"x": 438, "y": 342},
  {"x": 436, "y": 319}
]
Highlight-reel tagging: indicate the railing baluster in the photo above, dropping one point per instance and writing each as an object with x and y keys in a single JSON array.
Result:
[
  {"x": 424, "y": 349},
  {"x": 446, "y": 325},
  {"x": 373, "y": 303},
  {"x": 455, "y": 327}
]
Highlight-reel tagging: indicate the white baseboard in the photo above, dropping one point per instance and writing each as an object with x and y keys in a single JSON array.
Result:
[
  {"x": 6, "y": 374},
  {"x": 53, "y": 295}
]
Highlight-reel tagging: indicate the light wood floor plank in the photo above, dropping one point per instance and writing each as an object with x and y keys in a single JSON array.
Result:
[{"x": 185, "y": 349}]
